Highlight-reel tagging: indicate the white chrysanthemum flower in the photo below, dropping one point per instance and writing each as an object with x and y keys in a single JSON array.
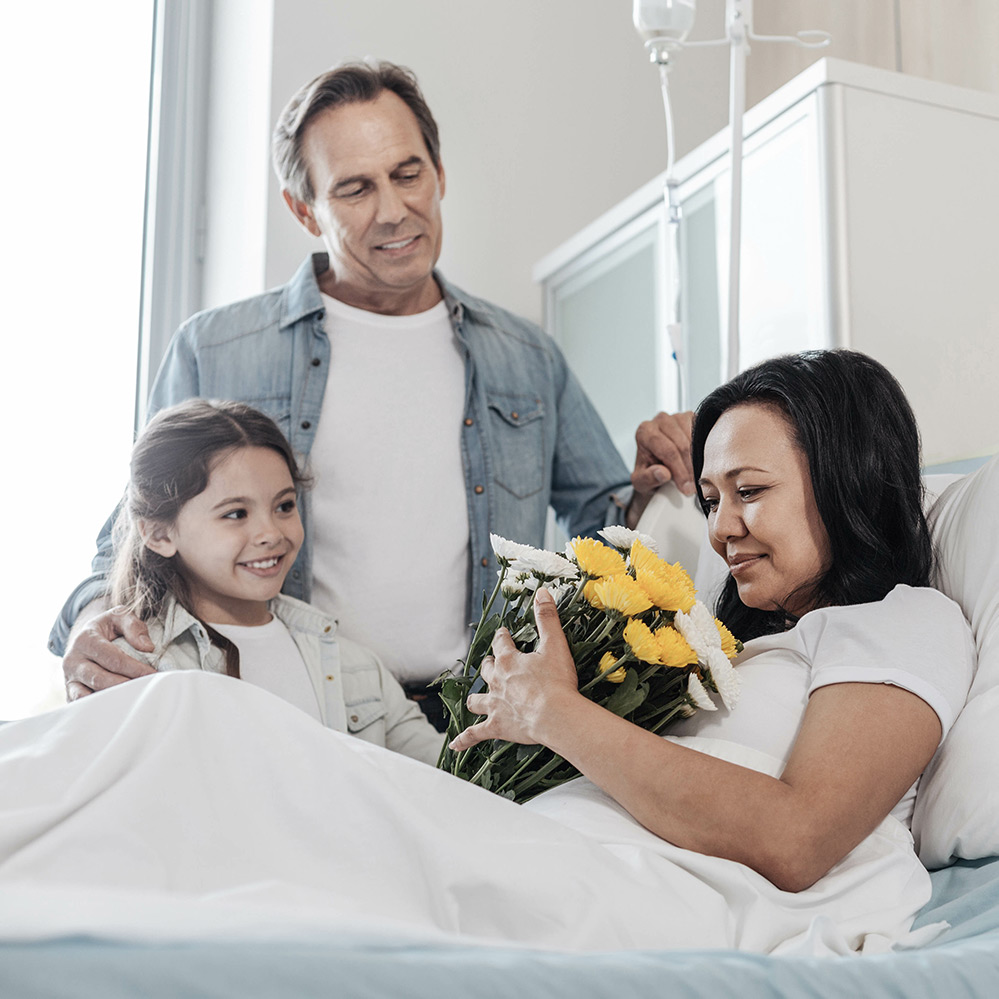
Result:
[
  {"x": 548, "y": 565},
  {"x": 560, "y": 590},
  {"x": 698, "y": 628},
  {"x": 724, "y": 677},
  {"x": 699, "y": 695},
  {"x": 515, "y": 584},
  {"x": 622, "y": 538},
  {"x": 508, "y": 551}
]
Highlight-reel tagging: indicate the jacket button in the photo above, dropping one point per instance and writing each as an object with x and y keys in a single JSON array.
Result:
[
  {"x": 329, "y": 676},
  {"x": 327, "y": 629},
  {"x": 306, "y": 424},
  {"x": 485, "y": 561},
  {"x": 515, "y": 415},
  {"x": 353, "y": 718},
  {"x": 469, "y": 421},
  {"x": 479, "y": 490},
  {"x": 316, "y": 362}
]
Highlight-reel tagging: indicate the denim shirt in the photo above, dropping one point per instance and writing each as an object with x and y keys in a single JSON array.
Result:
[
  {"x": 530, "y": 437},
  {"x": 354, "y": 691}
]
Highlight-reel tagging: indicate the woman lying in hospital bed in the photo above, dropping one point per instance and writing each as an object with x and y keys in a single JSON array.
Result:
[{"x": 186, "y": 803}]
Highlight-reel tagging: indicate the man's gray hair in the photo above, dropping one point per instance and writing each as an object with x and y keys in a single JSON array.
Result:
[{"x": 347, "y": 84}]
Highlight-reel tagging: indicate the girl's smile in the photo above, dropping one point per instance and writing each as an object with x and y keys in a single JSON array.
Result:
[{"x": 237, "y": 539}]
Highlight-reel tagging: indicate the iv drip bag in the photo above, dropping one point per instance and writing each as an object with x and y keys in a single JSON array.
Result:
[{"x": 665, "y": 21}]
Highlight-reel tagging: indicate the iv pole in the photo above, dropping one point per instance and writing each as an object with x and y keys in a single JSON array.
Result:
[{"x": 664, "y": 25}]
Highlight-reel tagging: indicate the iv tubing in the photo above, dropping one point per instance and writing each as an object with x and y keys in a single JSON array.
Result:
[
  {"x": 674, "y": 328},
  {"x": 737, "y": 107},
  {"x": 664, "y": 84}
]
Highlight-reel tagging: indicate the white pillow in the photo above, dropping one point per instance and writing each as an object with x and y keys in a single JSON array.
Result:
[{"x": 957, "y": 807}]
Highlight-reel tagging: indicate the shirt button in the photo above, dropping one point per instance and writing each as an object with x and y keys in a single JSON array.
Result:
[
  {"x": 316, "y": 362},
  {"x": 469, "y": 421},
  {"x": 353, "y": 718},
  {"x": 485, "y": 561},
  {"x": 306, "y": 424},
  {"x": 329, "y": 676},
  {"x": 479, "y": 490}
]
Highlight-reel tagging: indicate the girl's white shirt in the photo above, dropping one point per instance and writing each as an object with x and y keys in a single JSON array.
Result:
[{"x": 269, "y": 658}]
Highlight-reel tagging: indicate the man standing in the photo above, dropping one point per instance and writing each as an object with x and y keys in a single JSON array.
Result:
[{"x": 430, "y": 418}]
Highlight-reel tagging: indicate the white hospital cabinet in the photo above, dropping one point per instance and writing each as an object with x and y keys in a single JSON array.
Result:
[{"x": 870, "y": 220}]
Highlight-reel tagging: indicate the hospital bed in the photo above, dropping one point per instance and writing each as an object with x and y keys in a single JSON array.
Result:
[{"x": 956, "y": 827}]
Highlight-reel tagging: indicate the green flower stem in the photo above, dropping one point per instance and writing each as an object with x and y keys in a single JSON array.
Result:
[
  {"x": 485, "y": 612},
  {"x": 603, "y": 628},
  {"x": 538, "y": 775},
  {"x": 520, "y": 769},
  {"x": 477, "y": 776},
  {"x": 672, "y": 709},
  {"x": 583, "y": 580}
]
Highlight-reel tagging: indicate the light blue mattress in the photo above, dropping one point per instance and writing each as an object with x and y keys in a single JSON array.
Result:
[{"x": 963, "y": 962}]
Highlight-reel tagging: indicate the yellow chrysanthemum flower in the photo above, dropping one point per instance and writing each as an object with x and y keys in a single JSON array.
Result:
[
  {"x": 674, "y": 649},
  {"x": 607, "y": 661},
  {"x": 668, "y": 586},
  {"x": 642, "y": 557},
  {"x": 643, "y": 644},
  {"x": 596, "y": 559},
  {"x": 591, "y": 595},
  {"x": 728, "y": 644},
  {"x": 622, "y": 594}
]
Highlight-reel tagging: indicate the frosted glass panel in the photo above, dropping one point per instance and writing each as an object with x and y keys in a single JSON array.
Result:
[
  {"x": 782, "y": 304},
  {"x": 699, "y": 300},
  {"x": 781, "y": 299},
  {"x": 605, "y": 323}
]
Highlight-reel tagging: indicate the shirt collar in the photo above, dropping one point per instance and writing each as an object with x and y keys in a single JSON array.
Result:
[{"x": 301, "y": 296}]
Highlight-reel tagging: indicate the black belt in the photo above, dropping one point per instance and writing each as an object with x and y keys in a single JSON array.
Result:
[{"x": 420, "y": 691}]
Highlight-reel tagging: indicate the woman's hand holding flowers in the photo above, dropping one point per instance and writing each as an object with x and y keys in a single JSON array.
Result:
[{"x": 528, "y": 691}]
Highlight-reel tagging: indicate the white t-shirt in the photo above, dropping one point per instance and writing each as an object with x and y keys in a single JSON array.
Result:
[
  {"x": 916, "y": 638},
  {"x": 389, "y": 524},
  {"x": 269, "y": 658}
]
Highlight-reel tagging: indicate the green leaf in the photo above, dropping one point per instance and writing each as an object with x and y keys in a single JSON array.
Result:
[
  {"x": 628, "y": 696},
  {"x": 483, "y": 639}
]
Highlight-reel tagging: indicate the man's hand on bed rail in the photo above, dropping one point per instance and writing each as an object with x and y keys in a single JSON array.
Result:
[
  {"x": 92, "y": 662},
  {"x": 663, "y": 456}
]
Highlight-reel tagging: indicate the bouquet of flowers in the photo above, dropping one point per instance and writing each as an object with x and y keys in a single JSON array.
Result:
[{"x": 644, "y": 648}]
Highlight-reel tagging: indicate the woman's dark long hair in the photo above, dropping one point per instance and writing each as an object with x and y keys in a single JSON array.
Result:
[
  {"x": 172, "y": 460},
  {"x": 852, "y": 421}
]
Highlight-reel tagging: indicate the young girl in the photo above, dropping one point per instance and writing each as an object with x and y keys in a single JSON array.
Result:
[{"x": 211, "y": 529}]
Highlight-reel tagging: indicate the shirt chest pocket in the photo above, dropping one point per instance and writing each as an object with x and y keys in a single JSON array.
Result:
[
  {"x": 517, "y": 443},
  {"x": 362, "y": 696}
]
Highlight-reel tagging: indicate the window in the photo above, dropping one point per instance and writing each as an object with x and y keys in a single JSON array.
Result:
[{"x": 75, "y": 100}]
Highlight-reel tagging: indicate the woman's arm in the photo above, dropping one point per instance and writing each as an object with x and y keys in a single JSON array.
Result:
[{"x": 860, "y": 747}]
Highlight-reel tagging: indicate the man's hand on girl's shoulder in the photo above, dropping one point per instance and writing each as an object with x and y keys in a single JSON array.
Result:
[{"x": 92, "y": 661}]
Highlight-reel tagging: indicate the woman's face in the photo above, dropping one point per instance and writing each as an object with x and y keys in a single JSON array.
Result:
[{"x": 762, "y": 516}]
